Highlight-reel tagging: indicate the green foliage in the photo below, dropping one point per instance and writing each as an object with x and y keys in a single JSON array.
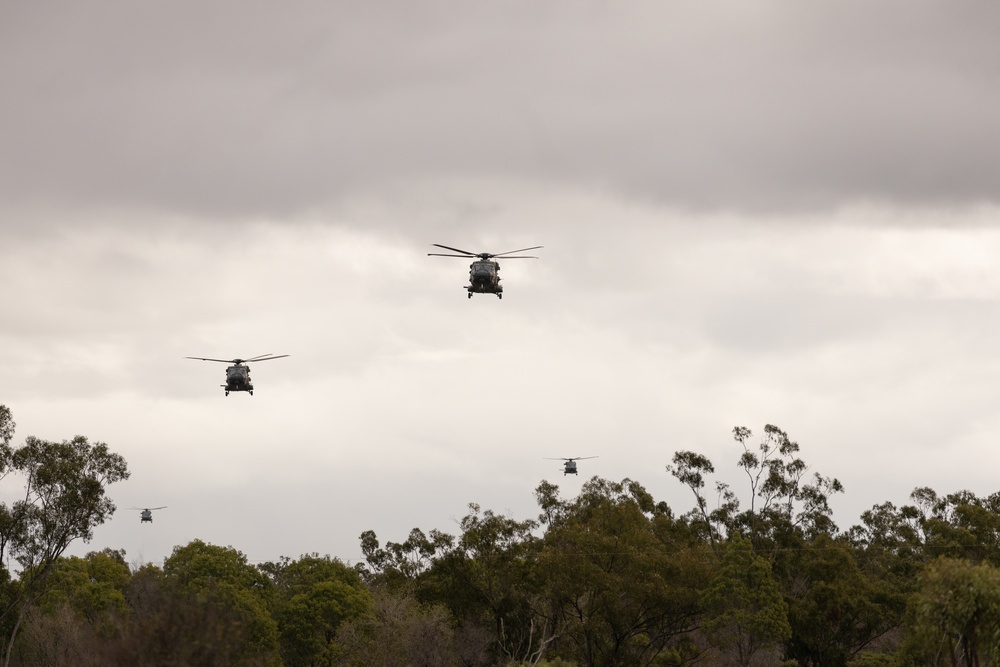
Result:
[
  {"x": 960, "y": 525},
  {"x": 955, "y": 615},
  {"x": 690, "y": 469},
  {"x": 835, "y": 610},
  {"x": 782, "y": 499},
  {"x": 872, "y": 659},
  {"x": 622, "y": 580},
  {"x": 744, "y": 611},
  {"x": 7, "y": 427},
  {"x": 314, "y": 596},
  {"x": 489, "y": 579},
  {"x": 609, "y": 577},
  {"x": 93, "y": 586},
  {"x": 170, "y": 624},
  {"x": 398, "y": 564},
  {"x": 63, "y": 500},
  {"x": 889, "y": 544},
  {"x": 222, "y": 574},
  {"x": 780, "y": 493},
  {"x": 64, "y": 497}
]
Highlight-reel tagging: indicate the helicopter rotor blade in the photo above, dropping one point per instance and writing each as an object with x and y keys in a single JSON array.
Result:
[
  {"x": 441, "y": 254},
  {"x": 517, "y": 257},
  {"x": 464, "y": 252},
  {"x": 259, "y": 356},
  {"x": 224, "y": 361},
  {"x": 511, "y": 252},
  {"x": 277, "y": 356}
]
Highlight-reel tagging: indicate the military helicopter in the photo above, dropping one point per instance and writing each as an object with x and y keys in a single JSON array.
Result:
[
  {"x": 569, "y": 468},
  {"x": 238, "y": 375},
  {"x": 484, "y": 273},
  {"x": 146, "y": 515}
]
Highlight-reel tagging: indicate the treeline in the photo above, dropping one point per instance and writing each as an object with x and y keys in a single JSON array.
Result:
[{"x": 754, "y": 576}]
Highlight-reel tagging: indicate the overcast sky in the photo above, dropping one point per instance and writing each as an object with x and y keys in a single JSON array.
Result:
[{"x": 751, "y": 213}]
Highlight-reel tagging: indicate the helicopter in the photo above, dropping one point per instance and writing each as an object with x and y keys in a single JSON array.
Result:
[
  {"x": 238, "y": 375},
  {"x": 569, "y": 468},
  {"x": 146, "y": 514},
  {"x": 484, "y": 272}
]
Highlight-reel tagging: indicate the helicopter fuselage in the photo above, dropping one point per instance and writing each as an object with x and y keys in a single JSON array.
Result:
[
  {"x": 484, "y": 278},
  {"x": 238, "y": 379},
  {"x": 146, "y": 517}
]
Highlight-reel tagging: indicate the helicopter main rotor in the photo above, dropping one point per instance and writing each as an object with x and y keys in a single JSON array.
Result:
[
  {"x": 259, "y": 357},
  {"x": 575, "y": 458},
  {"x": 483, "y": 255}
]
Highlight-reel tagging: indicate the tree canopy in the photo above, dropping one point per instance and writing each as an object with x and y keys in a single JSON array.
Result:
[
  {"x": 753, "y": 574},
  {"x": 63, "y": 498}
]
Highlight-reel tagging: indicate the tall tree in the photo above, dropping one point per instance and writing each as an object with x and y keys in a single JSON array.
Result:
[
  {"x": 782, "y": 499},
  {"x": 224, "y": 575},
  {"x": 175, "y": 621},
  {"x": 314, "y": 596},
  {"x": 744, "y": 611},
  {"x": 63, "y": 500},
  {"x": 955, "y": 615},
  {"x": 834, "y": 609},
  {"x": 398, "y": 564},
  {"x": 93, "y": 586},
  {"x": 489, "y": 580},
  {"x": 960, "y": 525},
  {"x": 82, "y": 606},
  {"x": 781, "y": 496},
  {"x": 625, "y": 594}
]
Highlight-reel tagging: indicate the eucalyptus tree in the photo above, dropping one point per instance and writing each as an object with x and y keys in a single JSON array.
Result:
[
  {"x": 93, "y": 586},
  {"x": 744, "y": 611},
  {"x": 955, "y": 616},
  {"x": 398, "y": 564},
  {"x": 623, "y": 594},
  {"x": 782, "y": 497},
  {"x": 223, "y": 576},
  {"x": 835, "y": 608},
  {"x": 400, "y": 631},
  {"x": 489, "y": 580},
  {"x": 62, "y": 499},
  {"x": 313, "y": 597}
]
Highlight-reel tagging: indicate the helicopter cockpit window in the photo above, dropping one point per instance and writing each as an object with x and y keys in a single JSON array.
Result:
[{"x": 484, "y": 267}]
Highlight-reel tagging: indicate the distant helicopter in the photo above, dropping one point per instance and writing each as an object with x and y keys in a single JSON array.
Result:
[
  {"x": 238, "y": 375},
  {"x": 146, "y": 515},
  {"x": 484, "y": 273},
  {"x": 569, "y": 468}
]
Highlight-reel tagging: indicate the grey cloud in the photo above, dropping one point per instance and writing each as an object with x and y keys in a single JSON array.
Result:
[{"x": 235, "y": 109}]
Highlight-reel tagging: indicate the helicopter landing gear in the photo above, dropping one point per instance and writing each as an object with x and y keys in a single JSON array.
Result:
[
  {"x": 470, "y": 295},
  {"x": 251, "y": 392},
  {"x": 227, "y": 392},
  {"x": 499, "y": 295}
]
